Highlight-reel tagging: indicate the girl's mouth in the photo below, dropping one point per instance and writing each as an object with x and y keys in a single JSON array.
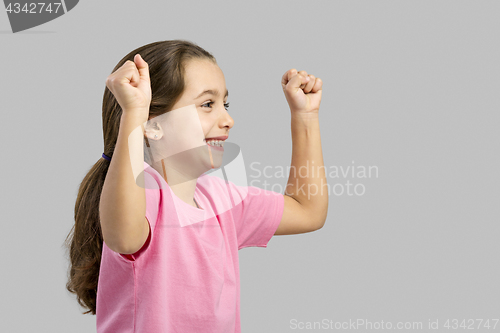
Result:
[{"x": 217, "y": 148}]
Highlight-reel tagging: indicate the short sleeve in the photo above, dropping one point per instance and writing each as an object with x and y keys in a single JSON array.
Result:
[
  {"x": 257, "y": 214},
  {"x": 152, "y": 190}
]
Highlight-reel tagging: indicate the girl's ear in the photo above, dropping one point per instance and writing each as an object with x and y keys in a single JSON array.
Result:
[{"x": 153, "y": 131}]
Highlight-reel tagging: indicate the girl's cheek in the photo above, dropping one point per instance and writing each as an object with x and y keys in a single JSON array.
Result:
[
  {"x": 205, "y": 125},
  {"x": 202, "y": 118},
  {"x": 207, "y": 120}
]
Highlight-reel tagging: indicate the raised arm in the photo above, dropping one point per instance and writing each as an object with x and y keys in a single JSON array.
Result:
[
  {"x": 122, "y": 206},
  {"x": 306, "y": 195},
  {"x": 123, "y": 203}
]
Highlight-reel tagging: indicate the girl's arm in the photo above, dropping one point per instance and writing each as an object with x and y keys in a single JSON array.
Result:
[
  {"x": 306, "y": 195},
  {"x": 123, "y": 203}
]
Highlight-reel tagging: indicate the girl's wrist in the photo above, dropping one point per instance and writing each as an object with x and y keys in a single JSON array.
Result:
[{"x": 140, "y": 116}]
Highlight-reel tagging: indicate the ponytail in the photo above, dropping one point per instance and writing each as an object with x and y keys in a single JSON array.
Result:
[{"x": 85, "y": 239}]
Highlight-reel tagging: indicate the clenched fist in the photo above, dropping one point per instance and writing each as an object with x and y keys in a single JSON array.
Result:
[
  {"x": 131, "y": 86},
  {"x": 302, "y": 91}
]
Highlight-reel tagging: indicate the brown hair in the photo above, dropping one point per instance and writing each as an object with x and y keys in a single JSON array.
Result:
[{"x": 166, "y": 61}]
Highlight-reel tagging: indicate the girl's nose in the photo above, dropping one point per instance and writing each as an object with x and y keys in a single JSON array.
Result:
[{"x": 226, "y": 119}]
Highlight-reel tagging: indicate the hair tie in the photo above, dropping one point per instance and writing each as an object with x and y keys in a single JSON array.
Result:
[{"x": 106, "y": 157}]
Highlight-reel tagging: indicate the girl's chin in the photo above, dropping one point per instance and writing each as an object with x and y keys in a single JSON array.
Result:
[{"x": 216, "y": 164}]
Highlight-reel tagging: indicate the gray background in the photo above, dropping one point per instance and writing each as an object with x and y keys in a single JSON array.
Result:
[{"x": 411, "y": 87}]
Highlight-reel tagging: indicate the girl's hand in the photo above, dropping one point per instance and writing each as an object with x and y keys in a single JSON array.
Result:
[
  {"x": 302, "y": 91},
  {"x": 131, "y": 86}
]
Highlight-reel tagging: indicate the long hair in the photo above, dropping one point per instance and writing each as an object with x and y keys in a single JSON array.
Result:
[{"x": 167, "y": 62}]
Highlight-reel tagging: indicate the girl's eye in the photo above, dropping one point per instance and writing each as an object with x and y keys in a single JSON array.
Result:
[{"x": 226, "y": 105}]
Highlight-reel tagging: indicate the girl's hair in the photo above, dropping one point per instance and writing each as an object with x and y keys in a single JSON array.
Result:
[{"x": 167, "y": 62}]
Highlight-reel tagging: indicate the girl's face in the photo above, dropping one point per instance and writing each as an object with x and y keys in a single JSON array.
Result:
[
  {"x": 200, "y": 113},
  {"x": 205, "y": 87}
]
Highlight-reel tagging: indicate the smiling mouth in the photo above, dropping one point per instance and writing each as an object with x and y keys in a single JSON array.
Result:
[
  {"x": 219, "y": 148},
  {"x": 215, "y": 142}
]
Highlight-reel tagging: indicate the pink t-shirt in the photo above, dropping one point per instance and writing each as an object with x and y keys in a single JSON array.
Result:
[{"x": 185, "y": 278}]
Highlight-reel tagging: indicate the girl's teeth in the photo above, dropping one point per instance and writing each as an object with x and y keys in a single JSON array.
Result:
[{"x": 216, "y": 143}]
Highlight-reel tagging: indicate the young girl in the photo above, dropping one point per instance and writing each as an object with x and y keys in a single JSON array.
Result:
[{"x": 155, "y": 243}]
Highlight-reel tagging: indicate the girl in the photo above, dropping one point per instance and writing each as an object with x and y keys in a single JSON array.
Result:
[{"x": 155, "y": 241}]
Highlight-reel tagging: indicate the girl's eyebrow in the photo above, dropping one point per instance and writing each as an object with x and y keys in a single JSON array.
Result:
[{"x": 214, "y": 92}]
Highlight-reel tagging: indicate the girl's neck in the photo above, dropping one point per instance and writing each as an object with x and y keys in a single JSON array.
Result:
[{"x": 182, "y": 185}]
